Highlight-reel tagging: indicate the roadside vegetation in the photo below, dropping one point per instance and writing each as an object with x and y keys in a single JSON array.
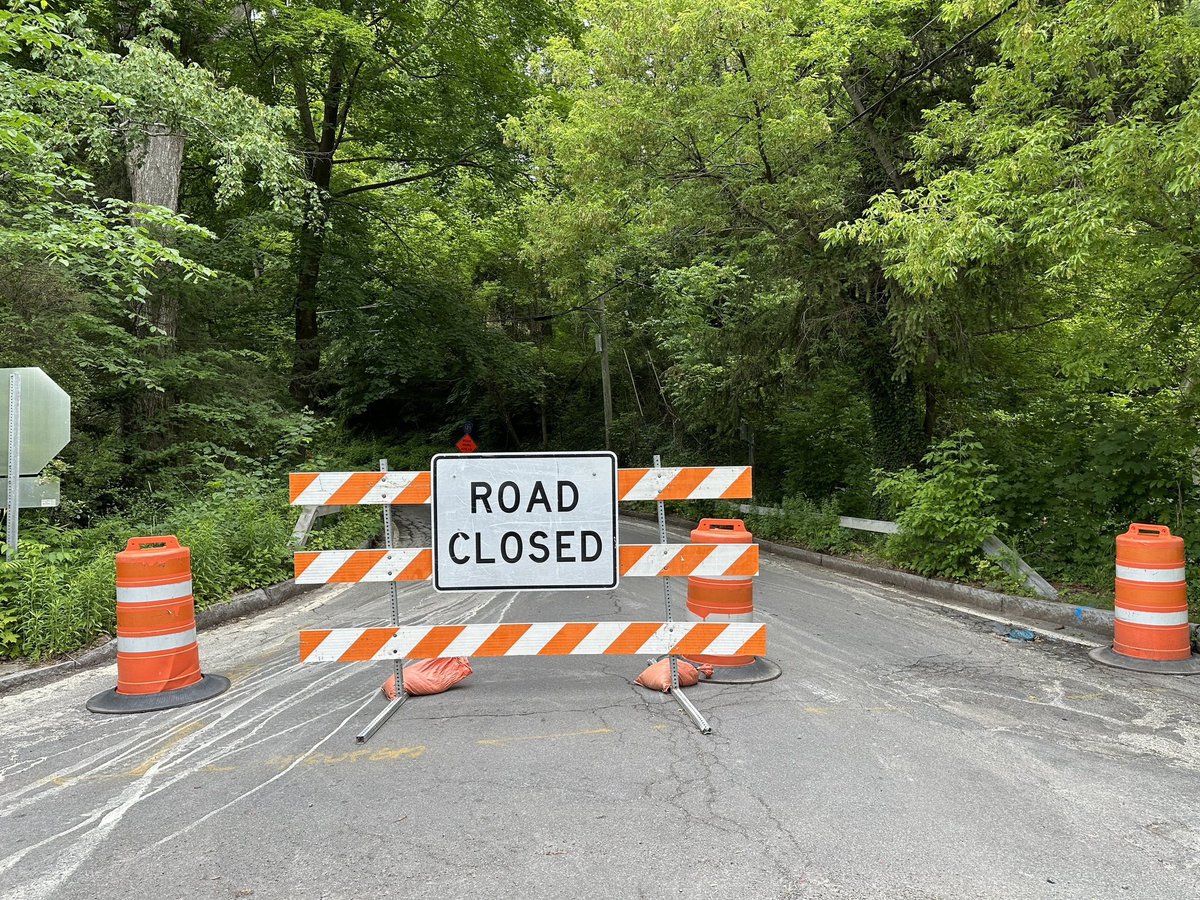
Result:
[{"x": 936, "y": 260}]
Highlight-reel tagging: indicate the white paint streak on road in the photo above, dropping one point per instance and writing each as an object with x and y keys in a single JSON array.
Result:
[{"x": 258, "y": 787}]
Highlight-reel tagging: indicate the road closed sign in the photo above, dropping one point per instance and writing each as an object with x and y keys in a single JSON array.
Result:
[{"x": 524, "y": 521}]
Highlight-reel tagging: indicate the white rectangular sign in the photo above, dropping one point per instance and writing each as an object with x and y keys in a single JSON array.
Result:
[{"x": 524, "y": 521}]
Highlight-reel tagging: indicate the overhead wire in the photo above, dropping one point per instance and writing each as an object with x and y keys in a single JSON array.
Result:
[
  {"x": 801, "y": 153},
  {"x": 909, "y": 79}
]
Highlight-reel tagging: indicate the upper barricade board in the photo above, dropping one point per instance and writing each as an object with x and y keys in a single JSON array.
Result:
[{"x": 664, "y": 483}]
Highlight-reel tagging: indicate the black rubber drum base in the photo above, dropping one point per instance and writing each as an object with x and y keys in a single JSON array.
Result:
[
  {"x": 762, "y": 669},
  {"x": 206, "y": 688},
  {"x": 1106, "y": 655}
]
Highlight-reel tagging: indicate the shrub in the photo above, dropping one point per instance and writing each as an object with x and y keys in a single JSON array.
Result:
[
  {"x": 346, "y": 530},
  {"x": 806, "y": 523},
  {"x": 942, "y": 511},
  {"x": 52, "y": 599}
]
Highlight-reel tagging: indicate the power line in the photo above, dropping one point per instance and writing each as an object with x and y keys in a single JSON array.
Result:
[
  {"x": 800, "y": 154},
  {"x": 912, "y": 37},
  {"x": 921, "y": 70}
]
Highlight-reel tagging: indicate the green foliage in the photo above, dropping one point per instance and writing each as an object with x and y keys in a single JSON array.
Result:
[
  {"x": 818, "y": 444},
  {"x": 60, "y": 592},
  {"x": 943, "y": 512},
  {"x": 54, "y": 102},
  {"x": 1074, "y": 472},
  {"x": 806, "y": 523},
  {"x": 239, "y": 535},
  {"x": 347, "y": 530},
  {"x": 54, "y": 598},
  {"x": 788, "y": 238}
]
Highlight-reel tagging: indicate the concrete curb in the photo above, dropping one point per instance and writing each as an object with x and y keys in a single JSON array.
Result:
[
  {"x": 237, "y": 607},
  {"x": 1086, "y": 618}
]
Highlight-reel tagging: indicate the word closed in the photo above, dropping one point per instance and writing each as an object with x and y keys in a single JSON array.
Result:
[{"x": 524, "y": 521}]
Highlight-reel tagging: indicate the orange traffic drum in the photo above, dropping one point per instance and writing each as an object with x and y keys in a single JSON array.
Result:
[
  {"x": 158, "y": 659},
  {"x": 1151, "y": 596},
  {"x": 156, "y": 618},
  {"x": 723, "y": 599}
]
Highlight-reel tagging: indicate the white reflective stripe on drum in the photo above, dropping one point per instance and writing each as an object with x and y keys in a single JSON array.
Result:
[
  {"x": 155, "y": 643},
  {"x": 1138, "y": 617},
  {"x": 155, "y": 592},
  {"x": 1156, "y": 576}
]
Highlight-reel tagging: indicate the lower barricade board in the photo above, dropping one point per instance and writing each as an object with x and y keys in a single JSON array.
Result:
[{"x": 533, "y": 639}]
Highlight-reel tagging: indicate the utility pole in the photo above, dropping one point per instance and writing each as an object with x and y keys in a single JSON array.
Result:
[
  {"x": 747, "y": 435},
  {"x": 605, "y": 377}
]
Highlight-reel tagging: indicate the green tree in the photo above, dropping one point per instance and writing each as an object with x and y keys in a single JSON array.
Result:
[
  {"x": 695, "y": 153},
  {"x": 1049, "y": 235},
  {"x": 385, "y": 95}
]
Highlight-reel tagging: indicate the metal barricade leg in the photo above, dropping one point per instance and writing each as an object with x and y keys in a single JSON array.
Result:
[
  {"x": 386, "y": 713},
  {"x": 676, "y": 690}
]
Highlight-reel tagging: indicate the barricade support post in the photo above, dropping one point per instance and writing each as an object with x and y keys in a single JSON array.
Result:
[
  {"x": 676, "y": 691},
  {"x": 389, "y": 544}
]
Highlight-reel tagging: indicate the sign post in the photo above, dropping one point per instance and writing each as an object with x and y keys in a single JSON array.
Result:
[
  {"x": 32, "y": 442},
  {"x": 14, "y": 462}
]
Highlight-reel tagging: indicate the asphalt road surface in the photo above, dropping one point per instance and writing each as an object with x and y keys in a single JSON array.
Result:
[{"x": 907, "y": 751}]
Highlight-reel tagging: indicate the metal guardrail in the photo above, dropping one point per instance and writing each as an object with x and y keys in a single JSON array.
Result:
[
  {"x": 993, "y": 548},
  {"x": 308, "y": 518}
]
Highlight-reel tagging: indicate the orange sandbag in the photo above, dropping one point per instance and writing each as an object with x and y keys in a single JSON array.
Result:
[
  {"x": 430, "y": 676},
  {"x": 658, "y": 676}
]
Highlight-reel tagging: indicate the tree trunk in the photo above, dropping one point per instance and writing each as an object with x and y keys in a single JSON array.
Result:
[
  {"x": 877, "y": 144},
  {"x": 896, "y": 415},
  {"x": 154, "y": 165},
  {"x": 899, "y": 436},
  {"x": 306, "y": 359},
  {"x": 931, "y": 412}
]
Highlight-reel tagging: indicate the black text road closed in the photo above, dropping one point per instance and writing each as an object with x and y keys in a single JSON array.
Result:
[{"x": 524, "y": 521}]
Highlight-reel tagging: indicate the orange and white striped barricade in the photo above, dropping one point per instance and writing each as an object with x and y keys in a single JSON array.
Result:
[
  {"x": 1150, "y": 628},
  {"x": 530, "y": 639},
  {"x": 563, "y": 519},
  {"x": 158, "y": 658},
  {"x": 415, "y": 488},
  {"x": 726, "y": 598},
  {"x": 636, "y": 560}
]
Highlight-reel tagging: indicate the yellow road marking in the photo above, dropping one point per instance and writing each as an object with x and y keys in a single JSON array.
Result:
[
  {"x": 139, "y": 770},
  {"x": 381, "y": 754},
  {"x": 500, "y": 742},
  {"x": 176, "y": 736}
]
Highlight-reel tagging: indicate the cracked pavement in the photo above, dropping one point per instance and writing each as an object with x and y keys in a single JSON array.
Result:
[{"x": 906, "y": 752}]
